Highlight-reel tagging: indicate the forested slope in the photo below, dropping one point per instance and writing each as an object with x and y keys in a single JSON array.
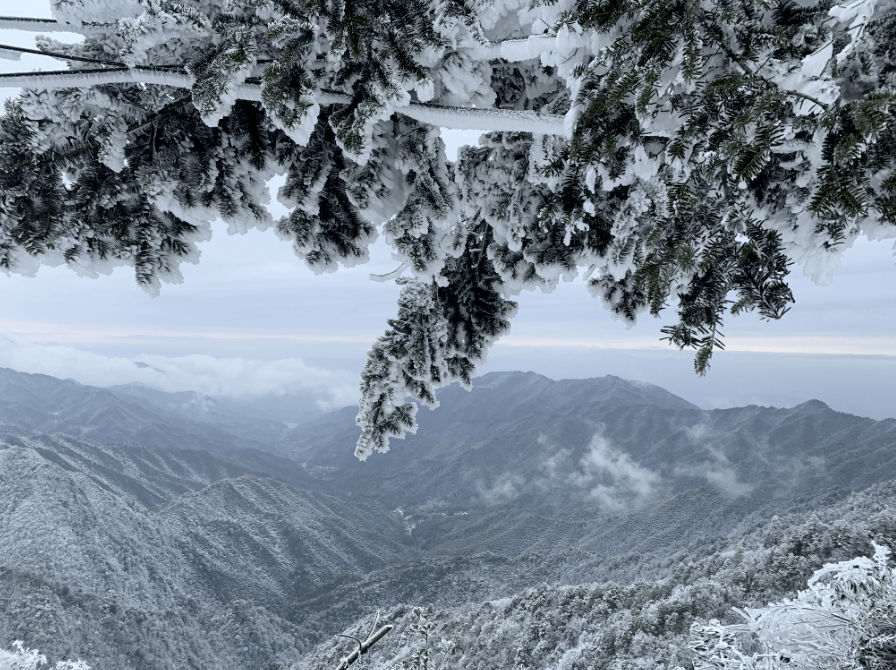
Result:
[
  {"x": 520, "y": 492},
  {"x": 644, "y": 624},
  {"x": 93, "y": 567}
]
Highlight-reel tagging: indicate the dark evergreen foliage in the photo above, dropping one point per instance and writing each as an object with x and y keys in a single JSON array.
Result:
[{"x": 706, "y": 148}]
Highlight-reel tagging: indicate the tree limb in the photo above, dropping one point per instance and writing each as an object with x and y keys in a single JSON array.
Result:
[
  {"x": 513, "y": 50},
  {"x": 364, "y": 648},
  {"x": 457, "y": 118},
  {"x": 52, "y": 54},
  {"x": 52, "y": 26}
]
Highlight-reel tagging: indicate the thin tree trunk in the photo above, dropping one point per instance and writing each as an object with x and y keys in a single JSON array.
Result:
[
  {"x": 51, "y": 26},
  {"x": 365, "y": 647}
]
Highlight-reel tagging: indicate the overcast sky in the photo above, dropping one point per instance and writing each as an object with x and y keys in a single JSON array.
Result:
[{"x": 250, "y": 318}]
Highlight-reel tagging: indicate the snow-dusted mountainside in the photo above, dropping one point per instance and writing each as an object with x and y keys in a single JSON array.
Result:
[
  {"x": 81, "y": 535},
  {"x": 522, "y": 440},
  {"x": 154, "y": 475},
  {"x": 144, "y": 556},
  {"x": 34, "y": 404},
  {"x": 634, "y": 624}
]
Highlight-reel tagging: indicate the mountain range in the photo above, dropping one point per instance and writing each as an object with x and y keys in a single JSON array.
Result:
[
  {"x": 132, "y": 414},
  {"x": 526, "y": 441},
  {"x": 211, "y": 546}
]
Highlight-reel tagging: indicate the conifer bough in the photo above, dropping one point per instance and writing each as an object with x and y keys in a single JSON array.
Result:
[{"x": 671, "y": 152}]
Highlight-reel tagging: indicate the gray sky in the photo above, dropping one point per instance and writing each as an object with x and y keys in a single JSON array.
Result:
[{"x": 251, "y": 318}]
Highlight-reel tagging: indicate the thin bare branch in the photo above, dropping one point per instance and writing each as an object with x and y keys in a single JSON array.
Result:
[
  {"x": 364, "y": 647},
  {"x": 51, "y": 26},
  {"x": 53, "y": 54},
  {"x": 390, "y": 275}
]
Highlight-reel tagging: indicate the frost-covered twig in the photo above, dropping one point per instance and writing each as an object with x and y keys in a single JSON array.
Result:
[
  {"x": 363, "y": 647},
  {"x": 51, "y": 26}
]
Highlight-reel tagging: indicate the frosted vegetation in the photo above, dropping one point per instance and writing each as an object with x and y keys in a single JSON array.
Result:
[
  {"x": 20, "y": 658},
  {"x": 843, "y": 616},
  {"x": 671, "y": 154},
  {"x": 845, "y": 619},
  {"x": 88, "y": 572}
]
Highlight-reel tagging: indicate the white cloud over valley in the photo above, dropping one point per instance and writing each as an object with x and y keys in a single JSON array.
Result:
[
  {"x": 718, "y": 471},
  {"x": 614, "y": 479},
  {"x": 606, "y": 474},
  {"x": 221, "y": 377}
]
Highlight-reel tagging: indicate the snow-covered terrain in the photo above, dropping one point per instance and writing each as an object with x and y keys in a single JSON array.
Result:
[{"x": 506, "y": 516}]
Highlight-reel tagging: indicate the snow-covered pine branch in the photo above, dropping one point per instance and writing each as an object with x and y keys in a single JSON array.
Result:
[
  {"x": 513, "y": 50},
  {"x": 22, "y": 658},
  {"x": 455, "y": 118},
  {"x": 683, "y": 155},
  {"x": 846, "y": 618}
]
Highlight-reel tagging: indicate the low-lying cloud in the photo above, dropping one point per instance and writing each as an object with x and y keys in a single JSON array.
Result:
[
  {"x": 718, "y": 471},
  {"x": 504, "y": 489},
  {"x": 612, "y": 477},
  {"x": 220, "y": 377},
  {"x": 603, "y": 473}
]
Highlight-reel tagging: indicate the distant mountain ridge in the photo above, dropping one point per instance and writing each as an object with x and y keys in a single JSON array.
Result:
[
  {"x": 523, "y": 440},
  {"x": 39, "y": 404}
]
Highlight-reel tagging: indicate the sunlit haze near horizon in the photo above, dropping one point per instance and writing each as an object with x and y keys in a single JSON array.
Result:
[{"x": 250, "y": 318}]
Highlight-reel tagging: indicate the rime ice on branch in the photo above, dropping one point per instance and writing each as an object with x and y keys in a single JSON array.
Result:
[{"x": 673, "y": 154}]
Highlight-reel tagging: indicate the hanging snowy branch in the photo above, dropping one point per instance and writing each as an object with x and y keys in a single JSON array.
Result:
[
  {"x": 681, "y": 155},
  {"x": 456, "y": 118}
]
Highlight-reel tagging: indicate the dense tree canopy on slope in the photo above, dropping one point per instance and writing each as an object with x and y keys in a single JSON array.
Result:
[{"x": 672, "y": 152}]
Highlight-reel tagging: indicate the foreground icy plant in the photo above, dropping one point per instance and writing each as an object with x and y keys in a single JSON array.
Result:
[
  {"x": 846, "y": 619},
  {"x": 665, "y": 151},
  {"x": 21, "y": 658},
  {"x": 422, "y": 653}
]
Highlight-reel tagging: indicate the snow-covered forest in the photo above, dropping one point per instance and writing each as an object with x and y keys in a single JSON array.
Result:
[{"x": 673, "y": 537}]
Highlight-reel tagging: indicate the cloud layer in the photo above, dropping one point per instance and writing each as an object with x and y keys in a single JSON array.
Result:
[
  {"x": 601, "y": 473},
  {"x": 221, "y": 377}
]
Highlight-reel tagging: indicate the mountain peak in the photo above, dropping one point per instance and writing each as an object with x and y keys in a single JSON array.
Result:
[
  {"x": 492, "y": 380},
  {"x": 813, "y": 405}
]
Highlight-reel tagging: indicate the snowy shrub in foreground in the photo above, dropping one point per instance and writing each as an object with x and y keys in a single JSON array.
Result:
[
  {"x": 846, "y": 619},
  {"x": 422, "y": 656},
  {"x": 30, "y": 659}
]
